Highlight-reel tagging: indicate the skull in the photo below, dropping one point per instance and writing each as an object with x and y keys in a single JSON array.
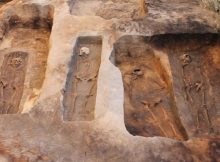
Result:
[
  {"x": 16, "y": 62},
  {"x": 185, "y": 59},
  {"x": 137, "y": 72},
  {"x": 84, "y": 51}
]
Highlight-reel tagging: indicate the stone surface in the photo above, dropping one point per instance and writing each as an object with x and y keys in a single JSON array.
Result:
[
  {"x": 152, "y": 94},
  {"x": 212, "y": 4}
]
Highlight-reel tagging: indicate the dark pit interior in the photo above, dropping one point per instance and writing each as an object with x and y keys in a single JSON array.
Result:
[
  {"x": 81, "y": 86},
  {"x": 171, "y": 84},
  {"x": 24, "y": 49}
]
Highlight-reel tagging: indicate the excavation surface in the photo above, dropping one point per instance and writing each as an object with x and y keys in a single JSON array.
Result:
[{"x": 123, "y": 87}]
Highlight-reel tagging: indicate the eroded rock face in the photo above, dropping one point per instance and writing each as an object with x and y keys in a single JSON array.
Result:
[
  {"x": 120, "y": 9},
  {"x": 109, "y": 80}
]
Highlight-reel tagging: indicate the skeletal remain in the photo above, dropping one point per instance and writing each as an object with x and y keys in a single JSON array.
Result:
[
  {"x": 188, "y": 87},
  {"x": 16, "y": 62},
  {"x": 203, "y": 99},
  {"x": 204, "y": 106},
  {"x": 156, "y": 102},
  {"x": 84, "y": 51},
  {"x": 137, "y": 72},
  {"x": 13, "y": 98},
  {"x": 170, "y": 123},
  {"x": 8, "y": 108},
  {"x": 202, "y": 115},
  {"x": 2, "y": 103},
  {"x": 185, "y": 60},
  {"x": 209, "y": 119},
  {"x": 198, "y": 86},
  {"x": 78, "y": 78},
  {"x": 204, "y": 109},
  {"x": 3, "y": 83},
  {"x": 173, "y": 129},
  {"x": 152, "y": 104},
  {"x": 1, "y": 93},
  {"x": 93, "y": 77},
  {"x": 197, "y": 119},
  {"x": 147, "y": 106},
  {"x": 161, "y": 84},
  {"x": 86, "y": 79},
  {"x": 207, "y": 115},
  {"x": 165, "y": 114},
  {"x": 89, "y": 95}
]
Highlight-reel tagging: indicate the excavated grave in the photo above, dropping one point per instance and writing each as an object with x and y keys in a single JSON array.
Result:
[
  {"x": 23, "y": 53},
  {"x": 179, "y": 105},
  {"x": 81, "y": 87}
]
